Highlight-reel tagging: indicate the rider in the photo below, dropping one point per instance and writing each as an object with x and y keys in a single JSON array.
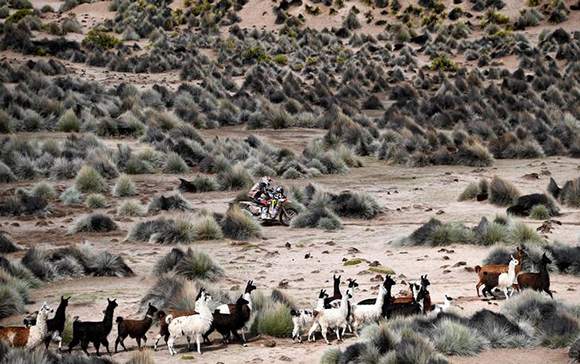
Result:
[{"x": 261, "y": 194}]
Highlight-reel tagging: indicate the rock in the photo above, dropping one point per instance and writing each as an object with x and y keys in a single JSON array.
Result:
[
  {"x": 288, "y": 245},
  {"x": 459, "y": 264},
  {"x": 374, "y": 264},
  {"x": 330, "y": 243},
  {"x": 445, "y": 257},
  {"x": 469, "y": 269},
  {"x": 325, "y": 252},
  {"x": 283, "y": 284},
  {"x": 481, "y": 228},
  {"x": 446, "y": 271},
  {"x": 285, "y": 358},
  {"x": 307, "y": 256},
  {"x": 269, "y": 343},
  {"x": 315, "y": 271},
  {"x": 440, "y": 212},
  {"x": 353, "y": 250},
  {"x": 377, "y": 278}
]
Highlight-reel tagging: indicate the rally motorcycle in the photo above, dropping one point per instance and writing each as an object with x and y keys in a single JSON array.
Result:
[{"x": 279, "y": 208}]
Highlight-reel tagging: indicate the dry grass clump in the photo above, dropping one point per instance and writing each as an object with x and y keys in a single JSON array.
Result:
[
  {"x": 88, "y": 180},
  {"x": 240, "y": 225}
]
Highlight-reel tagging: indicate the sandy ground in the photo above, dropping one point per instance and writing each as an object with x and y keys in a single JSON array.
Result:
[{"x": 409, "y": 196}]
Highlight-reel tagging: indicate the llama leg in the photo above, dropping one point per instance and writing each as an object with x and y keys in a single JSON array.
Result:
[
  {"x": 295, "y": 332},
  {"x": 477, "y": 288},
  {"x": 506, "y": 292},
  {"x": 547, "y": 290},
  {"x": 59, "y": 339},
  {"x": 84, "y": 346},
  {"x": 157, "y": 338},
  {"x": 338, "y": 332},
  {"x": 138, "y": 342},
  {"x": 198, "y": 342},
  {"x": 324, "y": 330},
  {"x": 238, "y": 337},
  {"x": 188, "y": 343},
  {"x": 244, "y": 334},
  {"x": 144, "y": 341},
  {"x": 117, "y": 341},
  {"x": 97, "y": 345},
  {"x": 311, "y": 337},
  {"x": 105, "y": 342},
  {"x": 170, "y": 346}
]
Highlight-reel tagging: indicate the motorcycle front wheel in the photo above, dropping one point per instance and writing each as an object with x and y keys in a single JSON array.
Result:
[{"x": 286, "y": 215}]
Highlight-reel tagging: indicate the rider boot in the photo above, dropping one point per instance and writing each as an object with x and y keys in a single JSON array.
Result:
[{"x": 264, "y": 214}]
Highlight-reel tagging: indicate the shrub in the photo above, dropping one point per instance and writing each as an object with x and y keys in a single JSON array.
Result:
[
  {"x": 329, "y": 223},
  {"x": 130, "y": 208},
  {"x": 276, "y": 321},
  {"x": 311, "y": 218},
  {"x": 444, "y": 64},
  {"x": 11, "y": 302},
  {"x": 138, "y": 166},
  {"x": 89, "y": 180},
  {"x": 44, "y": 190},
  {"x": 292, "y": 173},
  {"x": 19, "y": 15},
  {"x": 240, "y": 225},
  {"x": 570, "y": 194},
  {"x": 207, "y": 228},
  {"x": 453, "y": 338},
  {"x": 498, "y": 255},
  {"x": 175, "y": 231},
  {"x": 470, "y": 192},
  {"x": 197, "y": 264},
  {"x": 358, "y": 205},
  {"x": 141, "y": 357},
  {"x": 71, "y": 196},
  {"x": 69, "y": 122},
  {"x": 96, "y": 201},
  {"x": 102, "y": 39},
  {"x": 174, "y": 164},
  {"x": 519, "y": 232},
  {"x": 63, "y": 168},
  {"x": 540, "y": 212},
  {"x": 93, "y": 223},
  {"x": 237, "y": 178},
  {"x": 495, "y": 233},
  {"x": 7, "y": 246},
  {"x": 124, "y": 187},
  {"x": 503, "y": 192},
  {"x": 174, "y": 202},
  {"x": 105, "y": 264},
  {"x": 6, "y": 175}
]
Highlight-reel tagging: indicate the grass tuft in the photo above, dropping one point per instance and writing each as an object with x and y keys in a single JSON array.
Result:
[
  {"x": 96, "y": 201},
  {"x": 503, "y": 192},
  {"x": 89, "y": 180},
  {"x": 130, "y": 208},
  {"x": 240, "y": 225},
  {"x": 124, "y": 187}
]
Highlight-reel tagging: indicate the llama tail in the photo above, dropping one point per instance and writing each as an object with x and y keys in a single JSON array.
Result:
[
  {"x": 119, "y": 319},
  {"x": 477, "y": 268},
  {"x": 168, "y": 319}
]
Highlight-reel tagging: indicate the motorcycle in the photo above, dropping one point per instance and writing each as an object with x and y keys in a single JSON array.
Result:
[{"x": 279, "y": 208}]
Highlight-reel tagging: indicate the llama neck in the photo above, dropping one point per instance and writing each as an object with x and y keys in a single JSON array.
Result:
[
  {"x": 108, "y": 319},
  {"x": 41, "y": 322},
  {"x": 512, "y": 271},
  {"x": 320, "y": 304},
  {"x": 248, "y": 297},
  {"x": 336, "y": 289},
  {"x": 60, "y": 312},
  {"x": 204, "y": 311},
  {"x": 381, "y": 297},
  {"x": 344, "y": 304}
]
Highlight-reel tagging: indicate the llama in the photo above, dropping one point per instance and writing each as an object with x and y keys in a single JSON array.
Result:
[
  {"x": 164, "y": 325},
  {"x": 247, "y": 309},
  {"x": 336, "y": 295},
  {"x": 227, "y": 324},
  {"x": 368, "y": 313},
  {"x": 56, "y": 324},
  {"x": 195, "y": 325},
  {"x": 334, "y": 318},
  {"x": 305, "y": 317},
  {"x": 506, "y": 280},
  {"x": 29, "y": 337},
  {"x": 537, "y": 281},
  {"x": 391, "y": 309},
  {"x": 445, "y": 306},
  {"x": 488, "y": 274},
  {"x": 136, "y": 329},
  {"x": 95, "y": 332}
]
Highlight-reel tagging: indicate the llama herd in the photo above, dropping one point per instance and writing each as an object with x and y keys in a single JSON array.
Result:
[
  {"x": 337, "y": 312},
  {"x": 509, "y": 279}
]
